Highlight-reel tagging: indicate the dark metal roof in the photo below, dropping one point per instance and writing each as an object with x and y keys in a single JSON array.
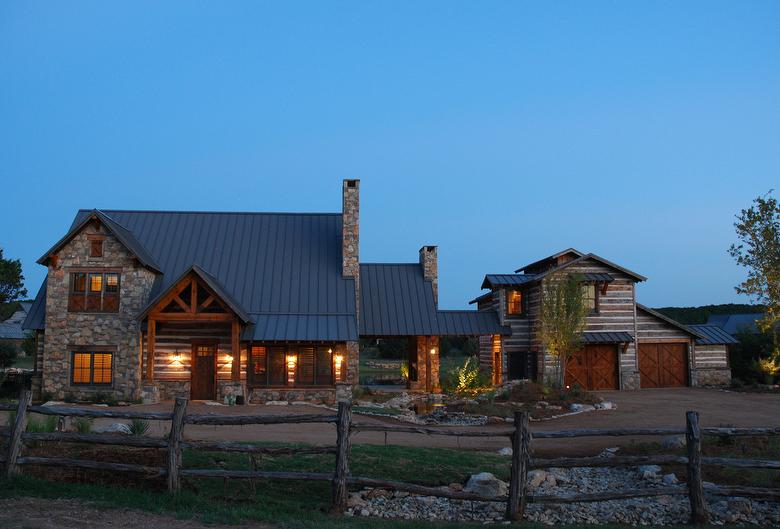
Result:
[
  {"x": 284, "y": 264},
  {"x": 606, "y": 337},
  {"x": 713, "y": 335},
  {"x": 396, "y": 300},
  {"x": 593, "y": 256},
  {"x": 302, "y": 327},
  {"x": 598, "y": 277},
  {"x": 670, "y": 321},
  {"x": 497, "y": 280},
  {"x": 477, "y": 299},
  {"x": 735, "y": 323},
  {"x": 36, "y": 317},
  {"x": 548, "y": 258}
]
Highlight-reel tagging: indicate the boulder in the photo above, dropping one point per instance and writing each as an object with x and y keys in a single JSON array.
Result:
[
  {"x": 117, "y": 427},
  {"x": 605, "y": 406},
  {"x": 355, "y": 500},
  {"x": 673, "y": 442},
  {"x": 581, "y": 407},
  {"x": 670, "y": 479},
  {"x": 648, "y": 471},
  {"x": 536, "y": 478},
  {"x": 506, "y": 451},
  {"x": 456, "y": 486},
  {"x": 486, "y": 484}
]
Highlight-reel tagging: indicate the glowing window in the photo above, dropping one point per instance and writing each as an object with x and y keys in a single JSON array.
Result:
[
  {"x": 92, "y": 368},
  {"x": 95, "y": 282}
]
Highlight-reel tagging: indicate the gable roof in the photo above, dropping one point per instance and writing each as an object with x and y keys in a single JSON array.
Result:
[
  {"x": 123, "y": 235},
  {"x": 670, "y": 321},
  {"x": 36, "y": 317},
  {"x": 585, "y": 257},
  {"x": 286, "y": 265},
  {"x": 396, "y": 300},
  {"x": 550, "y": 257},
  {"x": 734, "y": 323},
  {"x": 712, "y": 335}
]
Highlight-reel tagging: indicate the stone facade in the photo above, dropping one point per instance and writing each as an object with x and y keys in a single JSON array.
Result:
[
  {"x": 427, "y": 363},
  {"x": 325, "y": 395},
  {"x": 118, "y": 332},
  {"x": 711, "y": 377},
  {"x": 353, "y": 363},
  {"x": 629, "y": 380}
]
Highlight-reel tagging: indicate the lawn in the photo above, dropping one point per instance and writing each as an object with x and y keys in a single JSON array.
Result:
[{"x": 286, "y": 504}]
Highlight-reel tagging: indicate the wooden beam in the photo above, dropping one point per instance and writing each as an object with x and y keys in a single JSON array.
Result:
[
  {"x": 150, "y": 345},
  {"x": 235, "y": 349},
  {"x": 180, "y": 302},
  {"x": 194, "y": 298},
  {"x": 208, "y": 316}
]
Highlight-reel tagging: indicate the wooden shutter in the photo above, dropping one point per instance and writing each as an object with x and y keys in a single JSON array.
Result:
[{"x": 305, "y": 366}]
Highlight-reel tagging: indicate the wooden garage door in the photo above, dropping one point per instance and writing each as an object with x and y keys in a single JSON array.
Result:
[
  {"x": 593, "y": 367},
  {"x": 663, "y": 365}
]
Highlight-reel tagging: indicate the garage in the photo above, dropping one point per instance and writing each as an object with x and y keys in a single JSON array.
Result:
[
  {"x": 593, "y": 367},
  {"x": 663, "y": 365}
]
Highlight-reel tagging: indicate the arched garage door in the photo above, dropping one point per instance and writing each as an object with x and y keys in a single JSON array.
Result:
[
  {"x": 663, "y": 365},
  {"x": 593, "y": 367}
]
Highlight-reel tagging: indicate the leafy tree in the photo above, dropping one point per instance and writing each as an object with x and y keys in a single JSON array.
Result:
[
  {"x": 562, "y": 319},
  {"x": 7, "y": 354},
  {"x": 758, "y": 250},
  {"x": 11, "y": 280}
]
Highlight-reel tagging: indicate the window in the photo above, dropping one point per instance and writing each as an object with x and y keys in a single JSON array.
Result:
[
  {"x": 94, "y": 292},
  {"x": 96, "y": 248},
  {"x": 590, "y": 296},
  {"x": 293, "y": 365},
  {"x": 92, "y": 368},
  {"x": 514, "y": 302}
]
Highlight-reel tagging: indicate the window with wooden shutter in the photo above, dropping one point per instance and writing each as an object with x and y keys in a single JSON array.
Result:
[
  {"x": 305, "y": 374},
  {"x": 324, "y": 362},
  {"x": 277, "y": 366},
  {"x": 514, "y": 302}
]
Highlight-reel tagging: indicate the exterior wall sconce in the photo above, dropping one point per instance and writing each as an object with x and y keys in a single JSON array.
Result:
[
  {"x": 433, "y": 351},
  {"x": 176, "y": 360},
  {"x": 292, "y": 360},
  {"x": 338, "y": 362}
]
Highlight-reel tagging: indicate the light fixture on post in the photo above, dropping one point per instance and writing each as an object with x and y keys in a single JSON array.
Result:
[
  {"x": 338, "y": 362},
  {"x": 292, "y": 360}
]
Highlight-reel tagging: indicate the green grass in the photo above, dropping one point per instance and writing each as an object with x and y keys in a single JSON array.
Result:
[{"x": 285, "y": 504}]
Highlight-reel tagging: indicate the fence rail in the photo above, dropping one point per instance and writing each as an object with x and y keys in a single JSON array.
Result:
[{"x": 520, "y": 437}]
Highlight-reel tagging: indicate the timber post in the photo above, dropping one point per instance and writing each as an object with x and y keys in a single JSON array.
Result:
[
  {"x": 521, "y": 455},
  {"x": 174, "y": 445},
  {"x": 699, "y": 513},
  {"x": 339, "y": 487},
  {"x": 19, "y": 426}
]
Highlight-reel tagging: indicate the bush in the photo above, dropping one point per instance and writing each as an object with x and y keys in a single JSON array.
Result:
[
  {"x": 47, "y": 425},
  {"x": 84, "y": 425},
  {"x": 139, "y": 427},
  {"x": 7, "y": 354},
  {"x": 467, "y": 379}
]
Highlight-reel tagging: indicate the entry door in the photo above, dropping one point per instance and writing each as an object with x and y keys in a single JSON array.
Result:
[{"x": 204, "y": 372}]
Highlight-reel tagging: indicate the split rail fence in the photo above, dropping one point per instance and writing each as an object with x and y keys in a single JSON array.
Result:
[{"x": 520, "y": 437}]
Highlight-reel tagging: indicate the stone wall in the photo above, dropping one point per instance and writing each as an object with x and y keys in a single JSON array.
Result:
[
  {"x": 711, "y": 377},
  {"x": 429, "y": 260},
  {"x": 353, "y": 363},
  {"x": 118, "y": 332},
  {"x": 326, "y": 395}
]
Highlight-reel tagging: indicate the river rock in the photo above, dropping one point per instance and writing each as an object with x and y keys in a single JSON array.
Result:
[
  {"x": 536, "y": 477},
  {"x": 581, "y": 407},
  {"x": 486, "y": 484},
  {"x": 669, "y": 479}
]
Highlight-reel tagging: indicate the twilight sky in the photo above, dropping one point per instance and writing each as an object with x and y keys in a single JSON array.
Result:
[{"x": 500, "y": 131}]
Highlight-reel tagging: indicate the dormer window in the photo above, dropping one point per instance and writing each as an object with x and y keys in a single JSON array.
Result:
[
  {"x": 590, "y": 296},
  {"x": 96, "y": 247},
  {"x": 514, "y": 303}
]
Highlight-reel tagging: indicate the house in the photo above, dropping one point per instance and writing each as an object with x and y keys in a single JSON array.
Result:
[
  {"x": 157, "y": 304},
  {"x": 736, "y": 323},
  {"x": 625, "y": 345},
  {"x": 11, "y": 331}
]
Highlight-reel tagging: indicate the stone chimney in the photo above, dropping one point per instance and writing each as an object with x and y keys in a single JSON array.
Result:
[
  {"x": 350, "y": 230},
  {"x": 429, "y": 261}
]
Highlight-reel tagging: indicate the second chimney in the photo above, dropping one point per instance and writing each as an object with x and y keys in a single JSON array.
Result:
[{"x": 429, "y": 261}]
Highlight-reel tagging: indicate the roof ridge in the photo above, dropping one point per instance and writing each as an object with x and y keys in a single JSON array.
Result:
[{"x": 197, "y": 212}]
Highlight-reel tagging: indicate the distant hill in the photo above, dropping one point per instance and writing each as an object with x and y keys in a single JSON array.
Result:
[{"x": 693, "y": 315}]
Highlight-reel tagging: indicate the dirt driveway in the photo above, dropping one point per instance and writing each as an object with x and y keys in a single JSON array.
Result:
[{"x": 636, "y": 409}]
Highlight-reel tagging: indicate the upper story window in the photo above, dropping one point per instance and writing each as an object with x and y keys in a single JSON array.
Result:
[
  {"x": 590, "y": 296},
  {"x": 94, "y": 292},
  {"x": 96, "y": 247},
  {"x": 515, "y": 303}
]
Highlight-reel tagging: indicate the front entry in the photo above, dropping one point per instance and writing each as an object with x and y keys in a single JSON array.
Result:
[
  {"x": 204, "y": 371},
  {"x": 593, "y": 367}
]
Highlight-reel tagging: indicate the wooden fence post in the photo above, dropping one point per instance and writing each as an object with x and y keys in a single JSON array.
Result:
[
  {"x": 342, "y": 458},
  {"x": 521, "y": 454},
  {"x": 174, "y": 445},
  {"x": 699, "y": 514},
  {"x": 19, "y": 426}
]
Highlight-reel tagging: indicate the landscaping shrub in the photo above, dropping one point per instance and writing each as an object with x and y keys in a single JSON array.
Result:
[
  {"x": 83, "y": 425},
  {"x": 139, "y": 427},
  {"x": 46, "y": 425},
  {"x": 467, "y": 379}
]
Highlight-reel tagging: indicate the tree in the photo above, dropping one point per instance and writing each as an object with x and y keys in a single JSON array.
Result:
[
  {"x": 7, "y": 354},
  {"x": 562, "y": 319},
  {"x": 758, "y": 230},
  {"x": 11, "y": 280}
]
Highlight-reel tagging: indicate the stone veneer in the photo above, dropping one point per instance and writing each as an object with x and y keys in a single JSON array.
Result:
[
  {"x": 118, "y": 331},
  {"x": 429, "y": 260},
  {"x": 711, "y": 377},
  {"x": 326, "y": 395}
]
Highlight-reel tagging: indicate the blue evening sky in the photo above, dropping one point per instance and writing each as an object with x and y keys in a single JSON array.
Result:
[{"x": 500, "y": 131}]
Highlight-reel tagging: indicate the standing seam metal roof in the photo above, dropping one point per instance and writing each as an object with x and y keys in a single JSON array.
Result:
[{"x": 713, "y": 335}]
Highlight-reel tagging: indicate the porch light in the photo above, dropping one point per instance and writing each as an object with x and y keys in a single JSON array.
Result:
[
  {"x": 433, "y": 351},
  {"x": 338, "y": 361},
  {"x": 292, "y": 360},
  {"x": 176, "y": 359}
]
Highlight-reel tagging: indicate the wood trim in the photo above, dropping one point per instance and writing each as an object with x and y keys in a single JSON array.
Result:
[
  {"x": 235, "y": 351},
  {"x": 94, "y": 269},
  {"x": 93, "y": 348},
  {"x": 164, "y": 316},
  {"x": 150, "y": 337}
]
